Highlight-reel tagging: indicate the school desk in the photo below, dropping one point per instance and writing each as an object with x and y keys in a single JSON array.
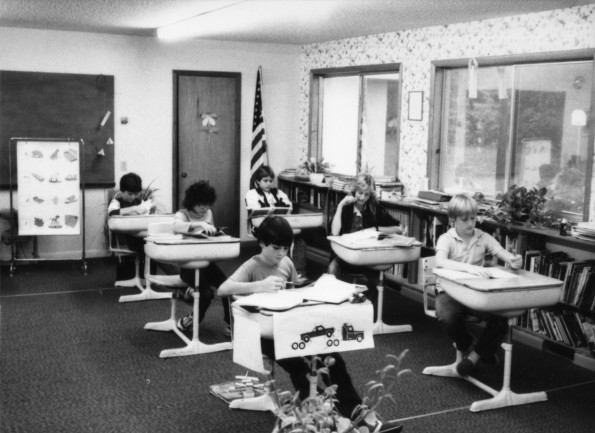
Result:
[
  {"x": 193, "y": 253},
  {"x": 137, "y": 225},
  {"x": 371, "y": 249},
  {"x": 508, "y": 296},
  {"x": 299, "y": 327}
]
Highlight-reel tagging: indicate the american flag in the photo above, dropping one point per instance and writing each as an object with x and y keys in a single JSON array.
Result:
[{"x": 259, "y": 142}]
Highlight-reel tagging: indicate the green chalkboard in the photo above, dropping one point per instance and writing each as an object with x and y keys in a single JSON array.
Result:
[{"x": 53, "y": 105}]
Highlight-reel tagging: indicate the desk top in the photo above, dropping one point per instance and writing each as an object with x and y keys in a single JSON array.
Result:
[
  {"x": 136, "y": 223},
  {"x": 190, "y": 240},
  {"x": 506, "y": 280}
]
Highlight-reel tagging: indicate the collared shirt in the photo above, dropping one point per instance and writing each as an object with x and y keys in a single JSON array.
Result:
[
  {"x": 474, "y": 253},
  {"x": 258, "y": 198}
]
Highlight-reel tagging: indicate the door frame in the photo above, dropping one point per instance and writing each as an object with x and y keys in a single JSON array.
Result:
[{"x": 237, "y": 76}]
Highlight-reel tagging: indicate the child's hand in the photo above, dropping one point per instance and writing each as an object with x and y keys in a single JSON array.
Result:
[
  {"x": 204, "y": 228},
  {"x": 348, "y": 199},
  {"x": 516, "y": 262},
  {"x": 272, "y": 284}
]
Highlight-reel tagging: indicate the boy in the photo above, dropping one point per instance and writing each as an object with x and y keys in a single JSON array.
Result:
[
  {"x": 128, "y": 201},
  {"x": 268, "y": 272},
  {"x": 463, "y": 248}
]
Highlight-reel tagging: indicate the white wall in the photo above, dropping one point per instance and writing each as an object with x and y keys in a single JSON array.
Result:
[{"x": 142, "y": 69}]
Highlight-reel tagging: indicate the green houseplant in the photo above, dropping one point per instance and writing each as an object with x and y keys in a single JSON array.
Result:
[
  {"x": 520, "y": 205},
  {"x": 318, "y": 414}
]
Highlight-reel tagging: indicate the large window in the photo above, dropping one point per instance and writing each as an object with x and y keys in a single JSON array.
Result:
[
  {"x": 518, "y": 123},
  {"x": 354, "y": 119}
]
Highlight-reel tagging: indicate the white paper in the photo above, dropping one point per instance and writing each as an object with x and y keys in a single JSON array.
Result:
[{"x": 246, "y": 343}]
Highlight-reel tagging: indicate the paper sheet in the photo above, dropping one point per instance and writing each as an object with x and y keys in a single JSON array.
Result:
[{"x": 246, "y": 344}]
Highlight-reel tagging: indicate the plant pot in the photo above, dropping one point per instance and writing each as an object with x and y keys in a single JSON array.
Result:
[{"x": 317, "y": 178}]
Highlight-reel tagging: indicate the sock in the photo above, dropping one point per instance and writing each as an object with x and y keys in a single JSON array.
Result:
[{"x": 473, "y": 357}]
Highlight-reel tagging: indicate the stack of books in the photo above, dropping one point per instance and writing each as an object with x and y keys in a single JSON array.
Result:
[
  {"x": 584, "y": 231},
  {"x": 341, "y": 184}
]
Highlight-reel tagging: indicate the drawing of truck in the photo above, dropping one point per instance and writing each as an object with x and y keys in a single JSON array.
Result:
[
  {"x": 317, "y": 332},
  {"x": 350, "y": 334}
]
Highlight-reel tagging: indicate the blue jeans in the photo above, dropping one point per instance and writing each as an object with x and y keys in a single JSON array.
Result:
[{"x": 452, "y": 315}]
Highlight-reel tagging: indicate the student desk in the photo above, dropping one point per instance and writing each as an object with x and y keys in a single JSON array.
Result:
[
  {"x": 137, "y": 225},
  {"x": 508, "y": 297},
  {"x": 297, "y": 221},
  {"x": 193, "y": 253},
  {"x": 366, "y": 249},
  {"x": 311, "y": 328}
]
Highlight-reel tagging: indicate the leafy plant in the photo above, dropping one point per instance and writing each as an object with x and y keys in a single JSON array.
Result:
[
  {"x": 319, "y": 415},
  {"x": 520, "y": 205},
  {"x": 316, "y": 166}
]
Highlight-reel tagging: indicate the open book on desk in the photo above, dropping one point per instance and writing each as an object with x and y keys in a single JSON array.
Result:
[
  {"x": 201, "y": 234},
  {"x": 327, "y": 289},
  {"x": 451, "y": 275},
  {"x": 265, "y": 211}
]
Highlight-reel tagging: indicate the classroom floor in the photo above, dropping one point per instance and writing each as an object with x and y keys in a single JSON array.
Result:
[{"x": 73, "y": 359}]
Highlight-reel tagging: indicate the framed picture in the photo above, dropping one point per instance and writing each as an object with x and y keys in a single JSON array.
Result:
[{"x": 416, "y": 105}]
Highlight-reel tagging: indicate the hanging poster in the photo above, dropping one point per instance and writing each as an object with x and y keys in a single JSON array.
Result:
[{"x": 49, "y": 197}]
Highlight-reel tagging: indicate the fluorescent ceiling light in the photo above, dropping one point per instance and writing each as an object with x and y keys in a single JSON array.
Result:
[{"x": 244, "y": 15}]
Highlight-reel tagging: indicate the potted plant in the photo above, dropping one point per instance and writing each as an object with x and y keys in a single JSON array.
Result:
[
  {"x": 316, "y": 169},
  {"x": 318, "y": 414}
]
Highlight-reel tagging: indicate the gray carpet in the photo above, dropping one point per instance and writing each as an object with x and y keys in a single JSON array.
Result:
[{"x": 72, "y": 359}]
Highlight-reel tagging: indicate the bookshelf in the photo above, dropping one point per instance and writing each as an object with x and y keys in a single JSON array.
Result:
[{"x": 427, "y": 221}]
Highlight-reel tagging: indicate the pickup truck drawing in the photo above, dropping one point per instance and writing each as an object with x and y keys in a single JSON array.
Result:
[
  {"x": 317, "y": 332},
  {"x": 350, "y": 334}
]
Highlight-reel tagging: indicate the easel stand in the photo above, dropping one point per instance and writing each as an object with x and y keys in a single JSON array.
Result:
[
  {"x": 503, "y": 398},
  {"x": 193, "y": 346},
  {"x": 379, "y": 326}
]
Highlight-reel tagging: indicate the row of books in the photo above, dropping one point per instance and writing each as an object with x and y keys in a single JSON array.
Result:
[
  {"x": 560, "y": 325},
  {"x": 578, "y": 276}
]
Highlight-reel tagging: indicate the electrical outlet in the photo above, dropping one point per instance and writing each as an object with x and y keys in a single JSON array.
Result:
[{"x": 123, "y": 166}]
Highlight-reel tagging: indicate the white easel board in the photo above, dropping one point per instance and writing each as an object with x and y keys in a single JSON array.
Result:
[{"x": 49, "y": 196}]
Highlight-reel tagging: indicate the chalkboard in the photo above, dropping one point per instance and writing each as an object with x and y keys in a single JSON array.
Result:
[{"x": 54, "y": 105}]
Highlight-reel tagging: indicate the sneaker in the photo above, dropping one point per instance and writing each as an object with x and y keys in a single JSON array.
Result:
[
  {"x": 227, "y": 330},
  {"x": 185, "y": 323},
  {"x": 465, "y": 367},
  {"x": 188, "y": 295}
]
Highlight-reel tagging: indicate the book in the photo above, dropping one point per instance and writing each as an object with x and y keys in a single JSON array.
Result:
[
  {"x": 574, "y": 329},
  {"x": 230, "y": 391},
  {"x": 265, "y": 211}
]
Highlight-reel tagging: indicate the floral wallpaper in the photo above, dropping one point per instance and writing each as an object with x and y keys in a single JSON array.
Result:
[{"x": 415, "y": 49}]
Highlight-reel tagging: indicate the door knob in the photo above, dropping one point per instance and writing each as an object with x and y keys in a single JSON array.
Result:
[{"x": 184, "y": 174}]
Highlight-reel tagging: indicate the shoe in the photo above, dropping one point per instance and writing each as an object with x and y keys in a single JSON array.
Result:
[
  {"x": 465, "y": 367},
  {"x": 188, "y": 295},
  {"x": 227, "y": 330},
  {"x": 384, "y": 427},
  {"x": 185, "y": 323}
]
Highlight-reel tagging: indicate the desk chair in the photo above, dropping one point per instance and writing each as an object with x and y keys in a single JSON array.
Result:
[
  {"x": 193, "y": 345},
  {"x": 118, "y": 247},
  {"x": 500, "y": 398},
  {"x": 147, "y": 293}
]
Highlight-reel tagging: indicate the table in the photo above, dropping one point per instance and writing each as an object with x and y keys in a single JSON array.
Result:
[
  {"x": 297, "y": 221},
  {"x": 193, "y": 253},
  {"x": 309, "y": 329},
  {"x": 366, "y": 249},
  {"x": 137, "y": 225},
  {"x": 507, "y": 297}
]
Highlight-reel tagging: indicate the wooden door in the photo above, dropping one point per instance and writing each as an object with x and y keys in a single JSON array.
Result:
[{"x": 207, "y": 140}]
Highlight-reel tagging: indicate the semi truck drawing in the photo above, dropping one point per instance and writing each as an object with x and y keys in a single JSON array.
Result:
[{"x": 350, "y": 334}]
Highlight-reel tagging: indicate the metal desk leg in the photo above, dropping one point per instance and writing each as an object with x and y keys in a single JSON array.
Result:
[
  {"x": 380, "y": 327},
  {"x": 194, "y": 346},
  {"x": 133, "y": 282},
  {"x": 147, "y": 293},
  {"x": 503, "y": 398}
]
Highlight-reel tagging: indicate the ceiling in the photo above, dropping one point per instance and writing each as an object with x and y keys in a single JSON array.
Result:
[{"x": 267, "y": 21}]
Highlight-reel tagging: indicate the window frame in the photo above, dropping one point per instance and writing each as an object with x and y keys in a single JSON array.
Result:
[
  {"x": 435, "y": 112},
  {"x": 315, "y": 123}
]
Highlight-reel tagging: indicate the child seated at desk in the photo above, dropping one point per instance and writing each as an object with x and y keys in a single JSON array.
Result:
[
  {"x": 357, "y": 211},
  {"x": 263, "y": 195},
  {"x": 196, "y": 215},
  {"x": 463, "y": 248},
  {"x": 269, "y": 271},
  {"x": 129, "y": 201}
]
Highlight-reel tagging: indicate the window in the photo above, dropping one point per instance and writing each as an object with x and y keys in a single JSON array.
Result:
[
  {"x": 521, "y": 122},
  {"x": 354, "y": 119}
]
